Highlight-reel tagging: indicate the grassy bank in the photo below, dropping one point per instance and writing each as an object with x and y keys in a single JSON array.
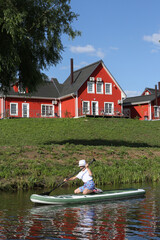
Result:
[{"x": 41, "y": 152}]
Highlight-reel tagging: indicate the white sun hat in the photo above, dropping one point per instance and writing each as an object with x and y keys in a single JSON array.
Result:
[{"x": 82, "y": 163}]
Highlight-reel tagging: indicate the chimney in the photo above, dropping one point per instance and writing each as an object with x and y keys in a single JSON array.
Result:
[
  {"x": 71, "y": 70},
  {"x": 159, "y": 86},
  {"x": 156, "y": 94}
]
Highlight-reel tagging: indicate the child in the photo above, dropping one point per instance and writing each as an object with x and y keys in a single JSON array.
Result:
[{"x": 86, "y": 176}]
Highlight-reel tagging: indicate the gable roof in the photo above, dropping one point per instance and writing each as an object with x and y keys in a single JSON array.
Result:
[
  {"x": 53, "y": 89},
  {"x": 140, "y": 99},
  {"x": 79, "y": 77},
  {"x": 151, "y": 90},
  {"x": 49, "y": 89}
]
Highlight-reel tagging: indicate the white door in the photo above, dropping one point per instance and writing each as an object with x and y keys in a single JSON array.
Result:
[
  {"x": 25, "y": 109},
  {"x": 94, "y": 108}
]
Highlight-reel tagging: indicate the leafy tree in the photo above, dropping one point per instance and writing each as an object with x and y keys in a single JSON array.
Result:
[{"x": 30, "y": 38}]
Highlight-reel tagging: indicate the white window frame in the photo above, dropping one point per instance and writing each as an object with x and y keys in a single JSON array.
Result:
[
  {"x": 12, "y": 114},
  {"x": 108, "y": 93},
  {"x": 101, "y": 87},
  {"x": 47, "y": 105},
  {"x": 20, "y": 88},
  {"x": 112, "y": 113},
  {"x": 27, "y": 109},
  {"x": 156, "y": 111},
  {"x": 88, "y": 107},
  {"x": 93, "y": 87},
  {"x": 97, "y": 107}
]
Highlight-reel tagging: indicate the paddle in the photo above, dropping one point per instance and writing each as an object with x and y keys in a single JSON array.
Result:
[{"x": 47, "y": 193}]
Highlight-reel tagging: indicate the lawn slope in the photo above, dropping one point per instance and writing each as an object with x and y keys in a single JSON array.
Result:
[{"x": 41, "y": 152}]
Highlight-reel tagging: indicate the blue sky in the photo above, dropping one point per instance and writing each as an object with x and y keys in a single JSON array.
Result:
[{"x": 125, "y": 34}]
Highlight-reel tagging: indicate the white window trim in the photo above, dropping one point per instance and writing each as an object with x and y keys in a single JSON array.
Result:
[
  {"x": 45, "y": 114},
  {"x": 156, "y": 113},
  {"x": 16, "y": 109},
  {"x": 110, "y": 88},
  {"x": 102, "y": 87},
  {"x": 88, "y": 107},
  {"x": 112, "y": 108},
  {"x": 88, "y": 87},
  {"x": 97, "y": 110},
  {"x": 27, "y": 109},
  {"x": 20, "y": 90}
]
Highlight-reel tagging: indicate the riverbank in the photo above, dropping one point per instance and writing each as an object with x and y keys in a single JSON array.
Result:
[{"x": 38, "y": 153}]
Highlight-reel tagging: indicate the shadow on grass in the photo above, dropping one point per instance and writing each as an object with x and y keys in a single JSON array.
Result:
[{"x": 101, "y": 142}]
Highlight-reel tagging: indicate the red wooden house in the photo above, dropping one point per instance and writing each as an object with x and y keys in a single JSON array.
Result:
[
  {"x": 144, "y": 107},
  {"x": 91, "y": 90}
]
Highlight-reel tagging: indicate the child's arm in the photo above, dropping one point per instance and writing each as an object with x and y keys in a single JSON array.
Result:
[
  {"x": 69, "y": 179},
  {"x": 89, "y": 171}
]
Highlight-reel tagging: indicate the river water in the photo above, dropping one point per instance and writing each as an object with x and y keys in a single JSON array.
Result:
[{"x": 127, "y": 219}]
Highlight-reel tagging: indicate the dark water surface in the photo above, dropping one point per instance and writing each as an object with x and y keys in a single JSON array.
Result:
[{"x": 127, "y": 219}]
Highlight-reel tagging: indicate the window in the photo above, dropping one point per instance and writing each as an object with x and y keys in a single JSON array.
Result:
[
  {"x": 108, "y": 108},
  {"x": 47, "y": 110},
  {"x": 156, "y": 111},
  {"x": 99, "y": 87},
  {"x": 21, "y": 89},
  {"x": 90, "y": 87},
  {"x": 108, "y": 88},
  {"x": 14, "y": 109},
  {"x": 85, "y": 106}
]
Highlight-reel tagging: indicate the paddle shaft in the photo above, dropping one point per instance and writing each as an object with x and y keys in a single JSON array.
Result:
[{"x": 47, "y": 193}]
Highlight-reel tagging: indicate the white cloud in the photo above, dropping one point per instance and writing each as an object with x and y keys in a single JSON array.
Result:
[
  {"x": 85, "y": 49},
  {"x": 76, "y": 66},
  {"x": 154, "y": 38},
  {"x": 132, "y": 93},
  {"x": 80, "y": 65},
  {"x": 114, "y": 48},
  {"x": 99, "y": 53},
  {"x": 64, "y": 68},
  {"x": 89, "y": 49}
]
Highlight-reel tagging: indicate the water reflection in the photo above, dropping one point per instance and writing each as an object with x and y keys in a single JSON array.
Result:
[
  {"x": 119, "y": 220},
  {"x": 94, "y": 221}
]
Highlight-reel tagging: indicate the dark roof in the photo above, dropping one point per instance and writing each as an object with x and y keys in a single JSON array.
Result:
[
  {"x": 139, "y": 99},
  {"x": 53, "y": 89},
  {"x": 79, "y": 77},
  {"x": 151, "y": 90},
  {"x": 49, "y": 89}
]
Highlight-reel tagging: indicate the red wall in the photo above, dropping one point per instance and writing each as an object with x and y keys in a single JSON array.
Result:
[
  {"x": 101, "y": 98},
  {"x": 138, "y": 111},
  {"x": 68, "y": 107},
  {"x": 34, "y": 106},
  {"x": 142, "y": 110},
  {"x": 146, "y": 92}
]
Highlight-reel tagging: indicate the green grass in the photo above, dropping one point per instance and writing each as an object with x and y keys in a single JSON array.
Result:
[
  {"x": 41, "y": 152},
  {"x": 111, "y": 132}
]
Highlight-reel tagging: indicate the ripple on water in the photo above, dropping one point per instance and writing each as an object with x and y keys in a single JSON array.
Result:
[{"x": 120, "y": 220}]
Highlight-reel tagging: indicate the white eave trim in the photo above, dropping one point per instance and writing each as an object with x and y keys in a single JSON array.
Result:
[
  {"x": 67, "y": 96},
  {"x": 135, "y": 103},
  {"x": 114, "y": 80},
  {"x": 24, "y": 96}
]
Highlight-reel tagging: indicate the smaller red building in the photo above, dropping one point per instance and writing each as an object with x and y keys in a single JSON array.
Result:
[
  {"x": 91, "y": 90},
  {"x": 144, "y": 107}
]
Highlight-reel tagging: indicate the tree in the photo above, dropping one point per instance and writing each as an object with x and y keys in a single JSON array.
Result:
[{"x": 30, "y": 38}]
